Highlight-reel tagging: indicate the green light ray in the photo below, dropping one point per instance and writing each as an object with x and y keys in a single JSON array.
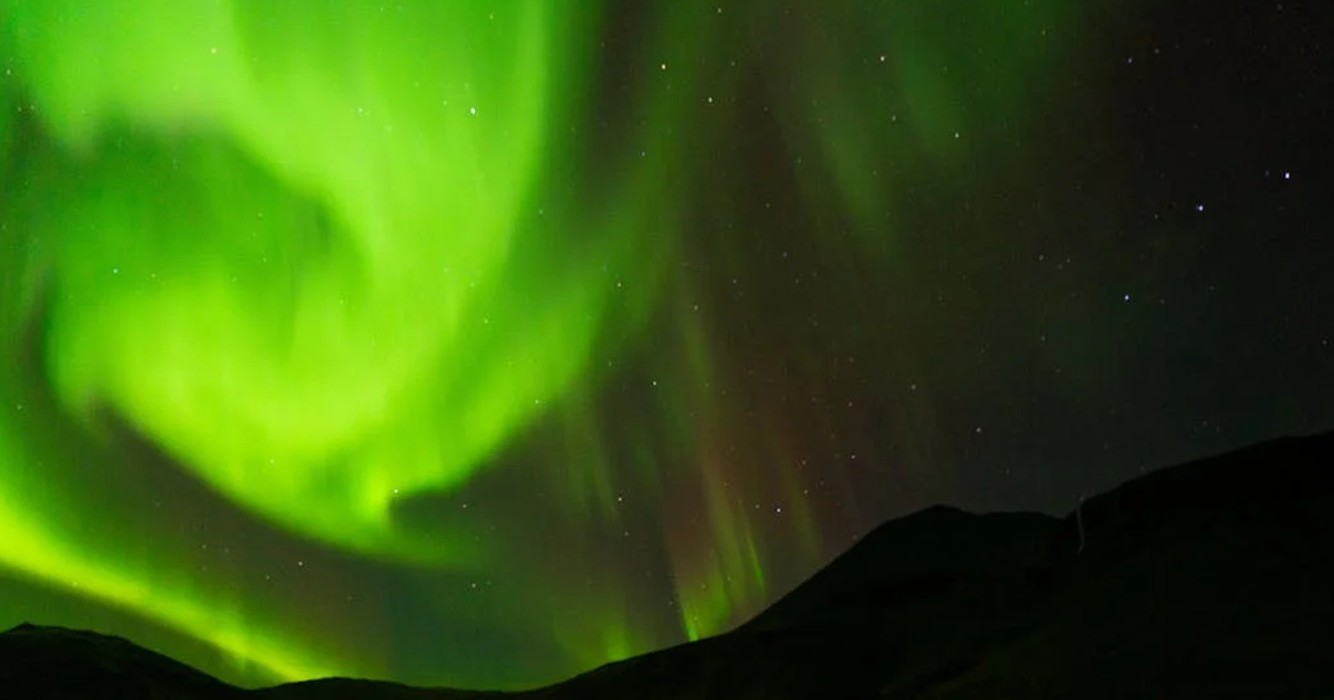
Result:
[
  {"x": 922, "y": 89},
  {"x": 100, "y": 566}
]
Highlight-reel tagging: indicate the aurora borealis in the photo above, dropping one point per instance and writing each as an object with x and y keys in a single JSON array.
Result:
[{"x": 480, "y": 343}]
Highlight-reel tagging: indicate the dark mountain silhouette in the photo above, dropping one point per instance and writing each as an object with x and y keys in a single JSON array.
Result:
[
  {"x": 1213, "y": 579},
  {"x": 54, "y": 662}
]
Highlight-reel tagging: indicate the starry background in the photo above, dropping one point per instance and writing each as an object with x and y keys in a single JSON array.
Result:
[{"x": 478, "y": 344}]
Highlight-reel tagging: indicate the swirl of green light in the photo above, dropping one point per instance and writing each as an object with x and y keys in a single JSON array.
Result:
[{"x": 287, "y": 239}]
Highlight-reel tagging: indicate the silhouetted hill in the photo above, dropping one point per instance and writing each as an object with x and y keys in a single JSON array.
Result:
[
  {"x": 351, "y": 689},
  {"x": 933, "y": 549},
  {"x": 54, "y": 662},
  {"x": 1210, "y": 579},
  {"x": 1213, "y": 579}
]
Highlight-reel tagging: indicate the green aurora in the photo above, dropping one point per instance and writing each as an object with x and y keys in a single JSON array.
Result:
[{"x": 330, "y": 265}]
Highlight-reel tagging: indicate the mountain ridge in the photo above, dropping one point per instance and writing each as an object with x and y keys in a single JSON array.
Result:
[{"x": 1211, "y": 578}]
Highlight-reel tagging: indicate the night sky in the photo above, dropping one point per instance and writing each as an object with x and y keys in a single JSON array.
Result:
[{"x": 481, "y": 343}]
